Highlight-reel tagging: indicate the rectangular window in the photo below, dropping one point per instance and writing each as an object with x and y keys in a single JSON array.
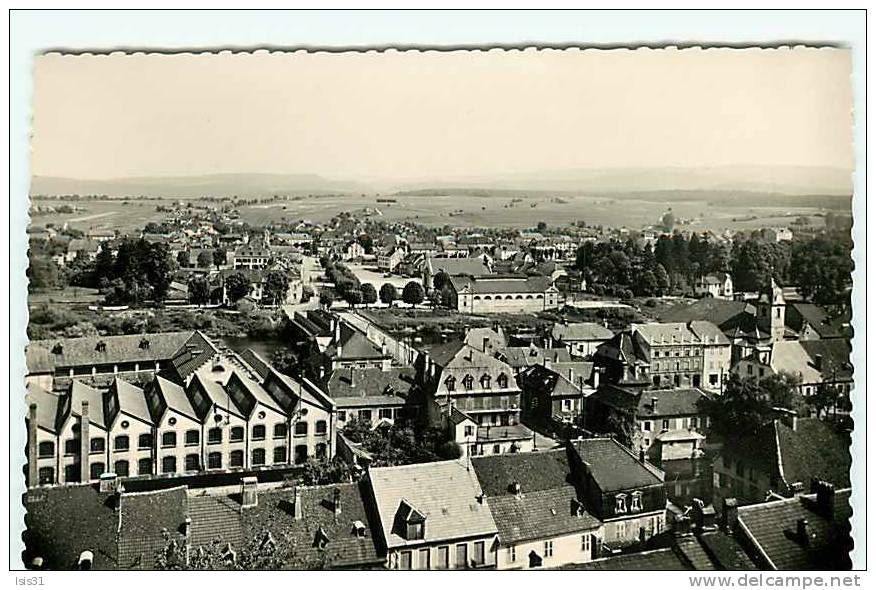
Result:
[
  {"x": 442, "y": 561},
  {"x": 405, "y": 560},
  {"x": 214, "y": 436},
  {"x": 585, "y": 543},
  {"x": 469, "y": 431},
  {"x": 98, "y": 444},
  {"x": 168, "y": 439},
  {"x": 71, "y": 446},
  {"x": 647, "y": 426},
  {"x": 365, "y": 415},
  {"x": 121, "y": 443},
  {"x": 512, "y": 553},
  {"x": 423, "y": 560},
  {"x": 214, "y": 461},
  {"x": 461, "y": 556},
  {"x": 193, "y": 437},
  {"x": 144, "y": 441},
  {"x": 666, "y": 425},
  {"x": 479, "y": 553},
  {"x": 548, "y": 548},
  {"x": 342, "y": 415},
  {"x": 193, "y": 462},
  {"x": 385, "y": 413}
]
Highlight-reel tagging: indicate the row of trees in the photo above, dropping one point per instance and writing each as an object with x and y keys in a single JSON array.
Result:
[
  {"x": 402, "y": 443},
  {"x": 206, "y": 258},
  {"x": 622, "y": 269}
]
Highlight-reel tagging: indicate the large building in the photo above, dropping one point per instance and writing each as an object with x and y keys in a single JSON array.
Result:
[{"x": 503, "y": 295}]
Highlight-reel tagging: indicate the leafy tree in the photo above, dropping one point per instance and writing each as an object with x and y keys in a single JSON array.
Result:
[
  {"x": 822, "y": 268},
  {"x": 220, "y": 257},
  {"x": 205, "y": 258},
  {"x": 199, "y": 290},
  {"x": 440, "y": 280},
  {"x": 369, "y": 294},
  {"x": 140, "y": 271},
  {"x": 388, "y": 293},
  {"x": 353, "y": 297},
  {"x": 541, "y": 227},
  {"x": 747, "y": 404},
  {"x": 413, "y": 293},
  {"x": 237, "y": 286},
  {"x": 326, "y": 298},
  {"x": 668, "y": 221},
  {"x": 182, "y": 259},
  {"x": 42, "y": 274},
  {"x": 276, "y": 286}
]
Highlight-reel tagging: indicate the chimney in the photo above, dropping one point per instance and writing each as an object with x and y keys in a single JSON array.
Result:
[
  {"x": 547, "y": 362},
  {"x": 486, "y": 344},
  {"x": 249, "y": 492},
  {"x": 480, "y": 498},
  {"x": 803, "y": 531},
  {"x": 730, "y": 513},
  {"x": 32, "y": 447},
  {"x": 682, "y": 525},
  {"x": 383, "y": 349},
  {"x": 336, "y": 501},
  {"x": 515, "y": 488},
  {"x": 322, "y": 373},
  {"x": 298, "y": 509},
  {"x": 642, "y": 455},
  {"x": 337, "y": 327},
  {"x": 653, "y": 404},
  {"x": 596, "y": 373},
  {"x": 571, "y": 375},
  {"x": 825, "y": 497},
  {"x": 818, "y": 361},
  {"x": 84, "y": 444}
]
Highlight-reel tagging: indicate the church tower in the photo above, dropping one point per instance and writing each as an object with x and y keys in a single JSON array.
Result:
[{"x": 771, "y": 311}]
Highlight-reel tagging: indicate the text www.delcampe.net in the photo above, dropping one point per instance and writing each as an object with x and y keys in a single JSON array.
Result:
[{"x": 775, "y": 581}]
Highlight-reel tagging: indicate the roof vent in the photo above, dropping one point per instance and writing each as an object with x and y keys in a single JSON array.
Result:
[
  {"x": 58, "y": 348},
  {"x": 359, "y": 529}
]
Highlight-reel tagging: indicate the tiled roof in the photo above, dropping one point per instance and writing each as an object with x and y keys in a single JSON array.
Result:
[
  {"x": 671, "y": 402},
  {"x": 772, "y": 526},
  {"x": 148, "y": 522},
  {"x": 613, "y": 467},
  {"x": 655, "y": 560},
  {"x": 192, "y": 354},
  {"x": 791, "y": 357},
  {"x": 835, "y": 354},
  {"x": 220, "y": 520},
  {"x": 720, "y": 312},
  {"x": 513, "y": 432},
  {"x": 534, "y": 472},
  {"x": 47, "y": 406},
  {"x": 80, "y": 392},
  {"x": 457, "y": 266},
  {"x": 538, "y": 378},
  {"x": 543, "y": 514},
  {"x": 64, "y": 521},
  {"x": 71, "y": 352},
  {"x": 253, "y": 391},
  {"x": 724, "y": 550},
  {"x": 695, "y": 554},
  {"x": 257, "y": 363},
  {"x": 815, "y": 316},
  {"x": 174, "y": 396},
  {"x": 476, "y": 336},
  {"x": 371, "y": 386},
  {"x": 216, "y": 395},
  {"x": 708, "y": 332},
  {"x": 814, "y": 450},
  {"x": 581, "y": 331},
  {"x": 446, "y": 492},
  {"x": 130, "y": 400},
  {"x": 506, "y": 285},
  {"x": 354, "y": 345},
  {"x": 665, "y": 333}
]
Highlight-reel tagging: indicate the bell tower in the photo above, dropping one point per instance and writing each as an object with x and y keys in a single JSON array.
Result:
[{"x": 771, "y": 311}]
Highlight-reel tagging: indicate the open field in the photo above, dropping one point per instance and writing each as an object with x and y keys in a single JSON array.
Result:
[
  {"x": 527, "y": 210},
  {"x": 115, "y": 214}
]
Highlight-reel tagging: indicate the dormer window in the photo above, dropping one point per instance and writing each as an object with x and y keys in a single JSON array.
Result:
[
  {"x": 502, "y": 381},
  {"x": 144, "y": 344},
  {"x": 58, "y": 348},
  {"x": 636, "y": 502},
  {"x": 485, "y": 381},
  {"x": 410, "y": 523},
  {"x": 467, "y": 382},
  {"x": 450, "y": 383},
  {"x": 620, "y": 504},
  {"x": 320, "y": 539},
  {"x": 101, "y": 346}
]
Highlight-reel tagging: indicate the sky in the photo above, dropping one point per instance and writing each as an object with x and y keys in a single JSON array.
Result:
[{"x": 411, "y": 115}]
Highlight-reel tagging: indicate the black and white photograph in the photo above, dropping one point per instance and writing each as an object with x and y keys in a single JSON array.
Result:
[{"x": 526, "y": 307}]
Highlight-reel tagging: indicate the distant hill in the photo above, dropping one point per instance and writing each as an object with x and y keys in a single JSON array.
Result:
[
  {"x": 785, "y": 180},
  {"x": 244, "y": 185}
]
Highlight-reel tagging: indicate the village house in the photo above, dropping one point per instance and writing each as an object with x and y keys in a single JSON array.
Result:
[
  {"x": 541, "y": 521},
  {"x": 664, "y": 424},
  {"x": 622, "y": 491},
  {"x": 581, "y": 338},
  {"x": 557, "y": 393},
  {"x": 373, "y": 395},
  {"x": 253, "y": 255},
  {"x": 432, "y": 516},
  {"x": 717, "y": 285},
  {"x": 388, "y": 259}
]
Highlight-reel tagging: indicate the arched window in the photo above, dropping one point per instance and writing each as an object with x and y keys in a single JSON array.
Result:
[
  {"x": 144, "y": 467},
  {"x": 214, "y": 460},
  {"x": 258, "y": 456},
  {"x": 300, "y": 454},
  {"x": 193, "y": 462},
  {"x": 477, "y": 297},
  {"x": 321, "y": 450},
  {"x": 121, "y": 443},
  {"x": 539, "y": 296},
  {"x": 192, "y": 437},
  {"x": 321, "y": 427},
  {"x": 487, "y": 298},
  {"x": 258, "y": 432},
  {"x": 237, "y": 434},
  {"x": 529, "y": 296},
  {"x": 144, "y": 441},
  {"x": 280, "y": 430},
  {"x": 518, "y": 297},
  {"x": 508, "y": 297},
  {"x": 467, "y": 381},
  {"x": 450, "y": 383},
  {"x": 168, "y": 464},
  {"x": 301, "y": 428},
  {"x": 502, "y": 380},
  {"x": 121, "y": 468},
  {"x": 486, "y": 381},
  {"x": 279, "y": 454},
  {"x": 620, "y": 503},
  {"x": 168, "y": 439},
  {"x": 97, "y": 470},
  {"x": 98, "y": 444}
]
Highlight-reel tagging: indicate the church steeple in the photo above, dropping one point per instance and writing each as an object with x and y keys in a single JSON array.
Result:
[{"x": 771, "y": 311}]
